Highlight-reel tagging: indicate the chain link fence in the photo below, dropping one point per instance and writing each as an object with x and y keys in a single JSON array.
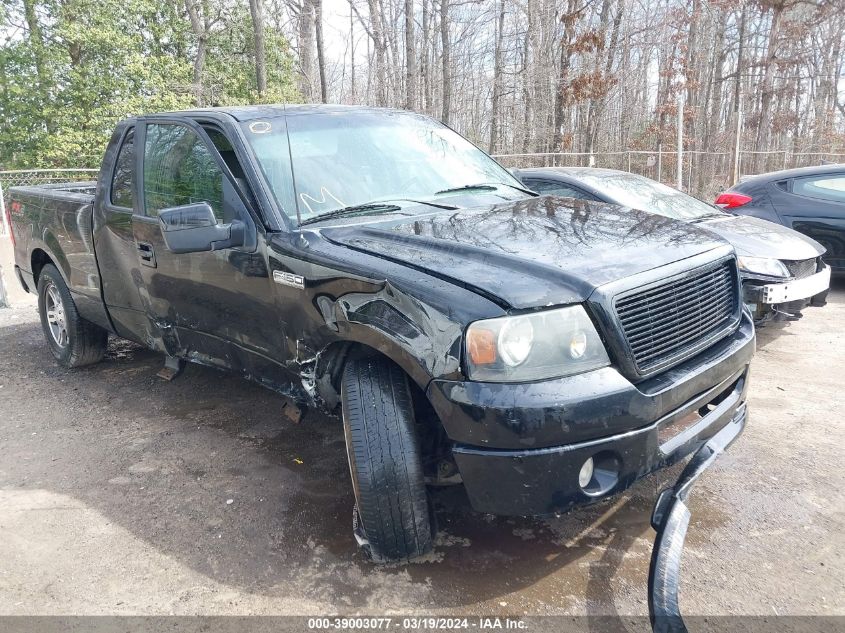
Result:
[
  {"x": 703, "y": 174},
  {"x": 28, "y": 177}
]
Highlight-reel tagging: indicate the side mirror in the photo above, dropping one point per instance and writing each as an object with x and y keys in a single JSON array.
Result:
[{"x": 193, "y": 228}]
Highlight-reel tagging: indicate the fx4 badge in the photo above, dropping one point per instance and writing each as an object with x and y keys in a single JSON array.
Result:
[{"x": 289, "y": 279}]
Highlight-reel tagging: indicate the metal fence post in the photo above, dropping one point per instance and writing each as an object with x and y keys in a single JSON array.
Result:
[
  {"x": 6, "y": 228},
  {"x": 660, "y": 162}
]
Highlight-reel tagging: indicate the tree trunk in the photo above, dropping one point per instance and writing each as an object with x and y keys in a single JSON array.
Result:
[
  {"x": 425, "y": 67},
  {"x": 737, "y": 96},
  {"x": 526, "y": 89},
  {"x": 446, "y": 53},
  {"x": 305, "y": 41},
  {"x": 352, "y": 56},
  {"x": 497, "y": 81},
  {"x": 36, "y": 38},
  {"x": 321, "y": 61},
  {"x": 410, "y": 58},
  {"x": 379, "y": 44},
  {"x": 568, "y": 19},
  {"x": 597, "y": 105},
  {"x": 257, "y": 11},
  {"x": 200, "y": 32},
  {"x": 767, "y": 86}
]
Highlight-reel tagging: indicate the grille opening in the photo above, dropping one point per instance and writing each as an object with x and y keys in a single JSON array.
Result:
[
  {"x": 802, "y": 268},
  {"x": 670, "y": 320}
]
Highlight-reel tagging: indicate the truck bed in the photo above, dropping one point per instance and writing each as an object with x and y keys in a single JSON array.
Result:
[
  {"x": 59, "y": 216},
  {"x": 77, "y": 191}
]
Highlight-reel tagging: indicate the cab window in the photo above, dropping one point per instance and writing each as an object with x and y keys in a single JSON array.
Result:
[{"x": 124, "y": 170}]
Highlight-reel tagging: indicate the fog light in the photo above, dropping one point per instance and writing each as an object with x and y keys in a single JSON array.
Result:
[{"x": 586, "y": 474}]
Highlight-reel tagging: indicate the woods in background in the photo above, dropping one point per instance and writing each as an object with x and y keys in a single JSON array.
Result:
[
  {"x": 69, "y": 69},
  {"x": 515, "y": 76}
]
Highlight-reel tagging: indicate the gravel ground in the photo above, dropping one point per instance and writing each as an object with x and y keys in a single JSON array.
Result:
[{"x": 121, "y": 493}]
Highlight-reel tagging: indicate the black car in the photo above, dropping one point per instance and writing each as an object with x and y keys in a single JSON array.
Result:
[
  {"x": 782, "y": 271},
  {"x": 542, "y": 352},
  {"x": 810, "y": 200}
]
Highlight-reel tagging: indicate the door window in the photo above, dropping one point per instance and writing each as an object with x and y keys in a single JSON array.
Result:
[
  {"x": 124, "y": 170},
  {"x": 828, "y": 187},
  {"x": 179, "y": 169}
]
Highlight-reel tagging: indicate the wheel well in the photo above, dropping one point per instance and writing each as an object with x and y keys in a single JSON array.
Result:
[
  {"x": 38, "y": 261},
  {"x": 330, "y": 366},
  {"x": 430, "y": 431}
]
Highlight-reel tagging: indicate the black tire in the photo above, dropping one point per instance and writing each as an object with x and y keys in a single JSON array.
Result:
[
  {"x": 79, "y": 342},
  {"x": 391, "y": 518}
]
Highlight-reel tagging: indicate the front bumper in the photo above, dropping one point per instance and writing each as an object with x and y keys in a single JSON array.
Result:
[
  {"x": 777, "y": 293},
  {"x": 670, "y": 519},
  {"x": 507, "y": 437}
]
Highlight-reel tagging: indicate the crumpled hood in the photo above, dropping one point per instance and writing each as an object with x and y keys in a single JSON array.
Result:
[
  {"x": 761, "y": 238},
  {"x": 533, "y": 252}
]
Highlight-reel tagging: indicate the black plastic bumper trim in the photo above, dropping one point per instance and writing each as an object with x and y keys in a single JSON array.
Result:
[{"x": 671, "y": 518}]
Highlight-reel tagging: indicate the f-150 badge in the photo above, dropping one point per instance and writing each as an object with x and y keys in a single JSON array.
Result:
[{"x": 289, "y": 279}]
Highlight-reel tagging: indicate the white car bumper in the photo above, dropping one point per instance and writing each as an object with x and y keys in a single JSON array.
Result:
[{"x": 798, "y": 289}]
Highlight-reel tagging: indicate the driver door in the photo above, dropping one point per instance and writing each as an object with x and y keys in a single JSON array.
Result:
[{"x": 215, "y": 307}]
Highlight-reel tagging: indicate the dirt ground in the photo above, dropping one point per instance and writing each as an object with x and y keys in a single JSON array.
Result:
[{"x": 121, "y": 493}]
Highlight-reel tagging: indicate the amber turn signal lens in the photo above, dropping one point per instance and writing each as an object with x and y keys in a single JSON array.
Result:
[{"x": 481, "y": 345}]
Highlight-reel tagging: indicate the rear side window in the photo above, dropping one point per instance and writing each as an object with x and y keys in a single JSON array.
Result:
[
  {"x": 179, "y": 169},
  {"x": 828, "y": 187},
  {"x": 124, "y": 170},
  {"x": 558, "y": 189}
]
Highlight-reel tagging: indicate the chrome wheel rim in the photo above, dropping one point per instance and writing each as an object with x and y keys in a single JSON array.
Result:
[{"x": 55, "y": 311}]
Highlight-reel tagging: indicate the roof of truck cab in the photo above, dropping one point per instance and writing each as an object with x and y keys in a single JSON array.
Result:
[{"x": 251, "y": 112}]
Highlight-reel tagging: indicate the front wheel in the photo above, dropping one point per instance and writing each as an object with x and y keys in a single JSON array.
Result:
[
  {"x": 392, "y": 521},
  {"x": 73, "y": 341}
]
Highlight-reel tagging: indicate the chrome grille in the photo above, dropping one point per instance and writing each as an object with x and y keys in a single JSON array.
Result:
[
  {"x": 802, "y": 268},
  {"x": 669, "y": 320}
]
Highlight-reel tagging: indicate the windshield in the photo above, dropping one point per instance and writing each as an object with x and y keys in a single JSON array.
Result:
[
  {"x": 639, "y": 192},
  {"x": 338, "y": 160}
]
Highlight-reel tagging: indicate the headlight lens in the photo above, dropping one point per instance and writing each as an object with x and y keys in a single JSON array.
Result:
[
  {"x": 534, "y": 346},
  {"x": 516, "y": 337},
  {"x": 763, "y": 266}
]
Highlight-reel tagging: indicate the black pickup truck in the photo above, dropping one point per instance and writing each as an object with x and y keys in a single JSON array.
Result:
[{"x": 541, "y": 352}]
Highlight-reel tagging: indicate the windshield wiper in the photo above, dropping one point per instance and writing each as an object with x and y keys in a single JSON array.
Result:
[
  {"x": 710, "y": 216},
  {"x": 487, "y": 186},
  {"x": 372, "y": 208},
  {"x": 356, "y": 209}
]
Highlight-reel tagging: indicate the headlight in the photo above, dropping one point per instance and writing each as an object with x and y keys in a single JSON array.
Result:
[
  {"x": 763, "y": 266},
  {"x": 535, "y": 346}
]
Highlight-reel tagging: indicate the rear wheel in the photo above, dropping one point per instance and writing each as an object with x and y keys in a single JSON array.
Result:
[
  {"x": 73, "y": 341},
  {"x": 391, "y": 519}
]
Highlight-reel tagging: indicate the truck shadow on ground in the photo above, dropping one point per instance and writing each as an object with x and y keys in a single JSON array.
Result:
[{"x": 206, "y": 470}]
